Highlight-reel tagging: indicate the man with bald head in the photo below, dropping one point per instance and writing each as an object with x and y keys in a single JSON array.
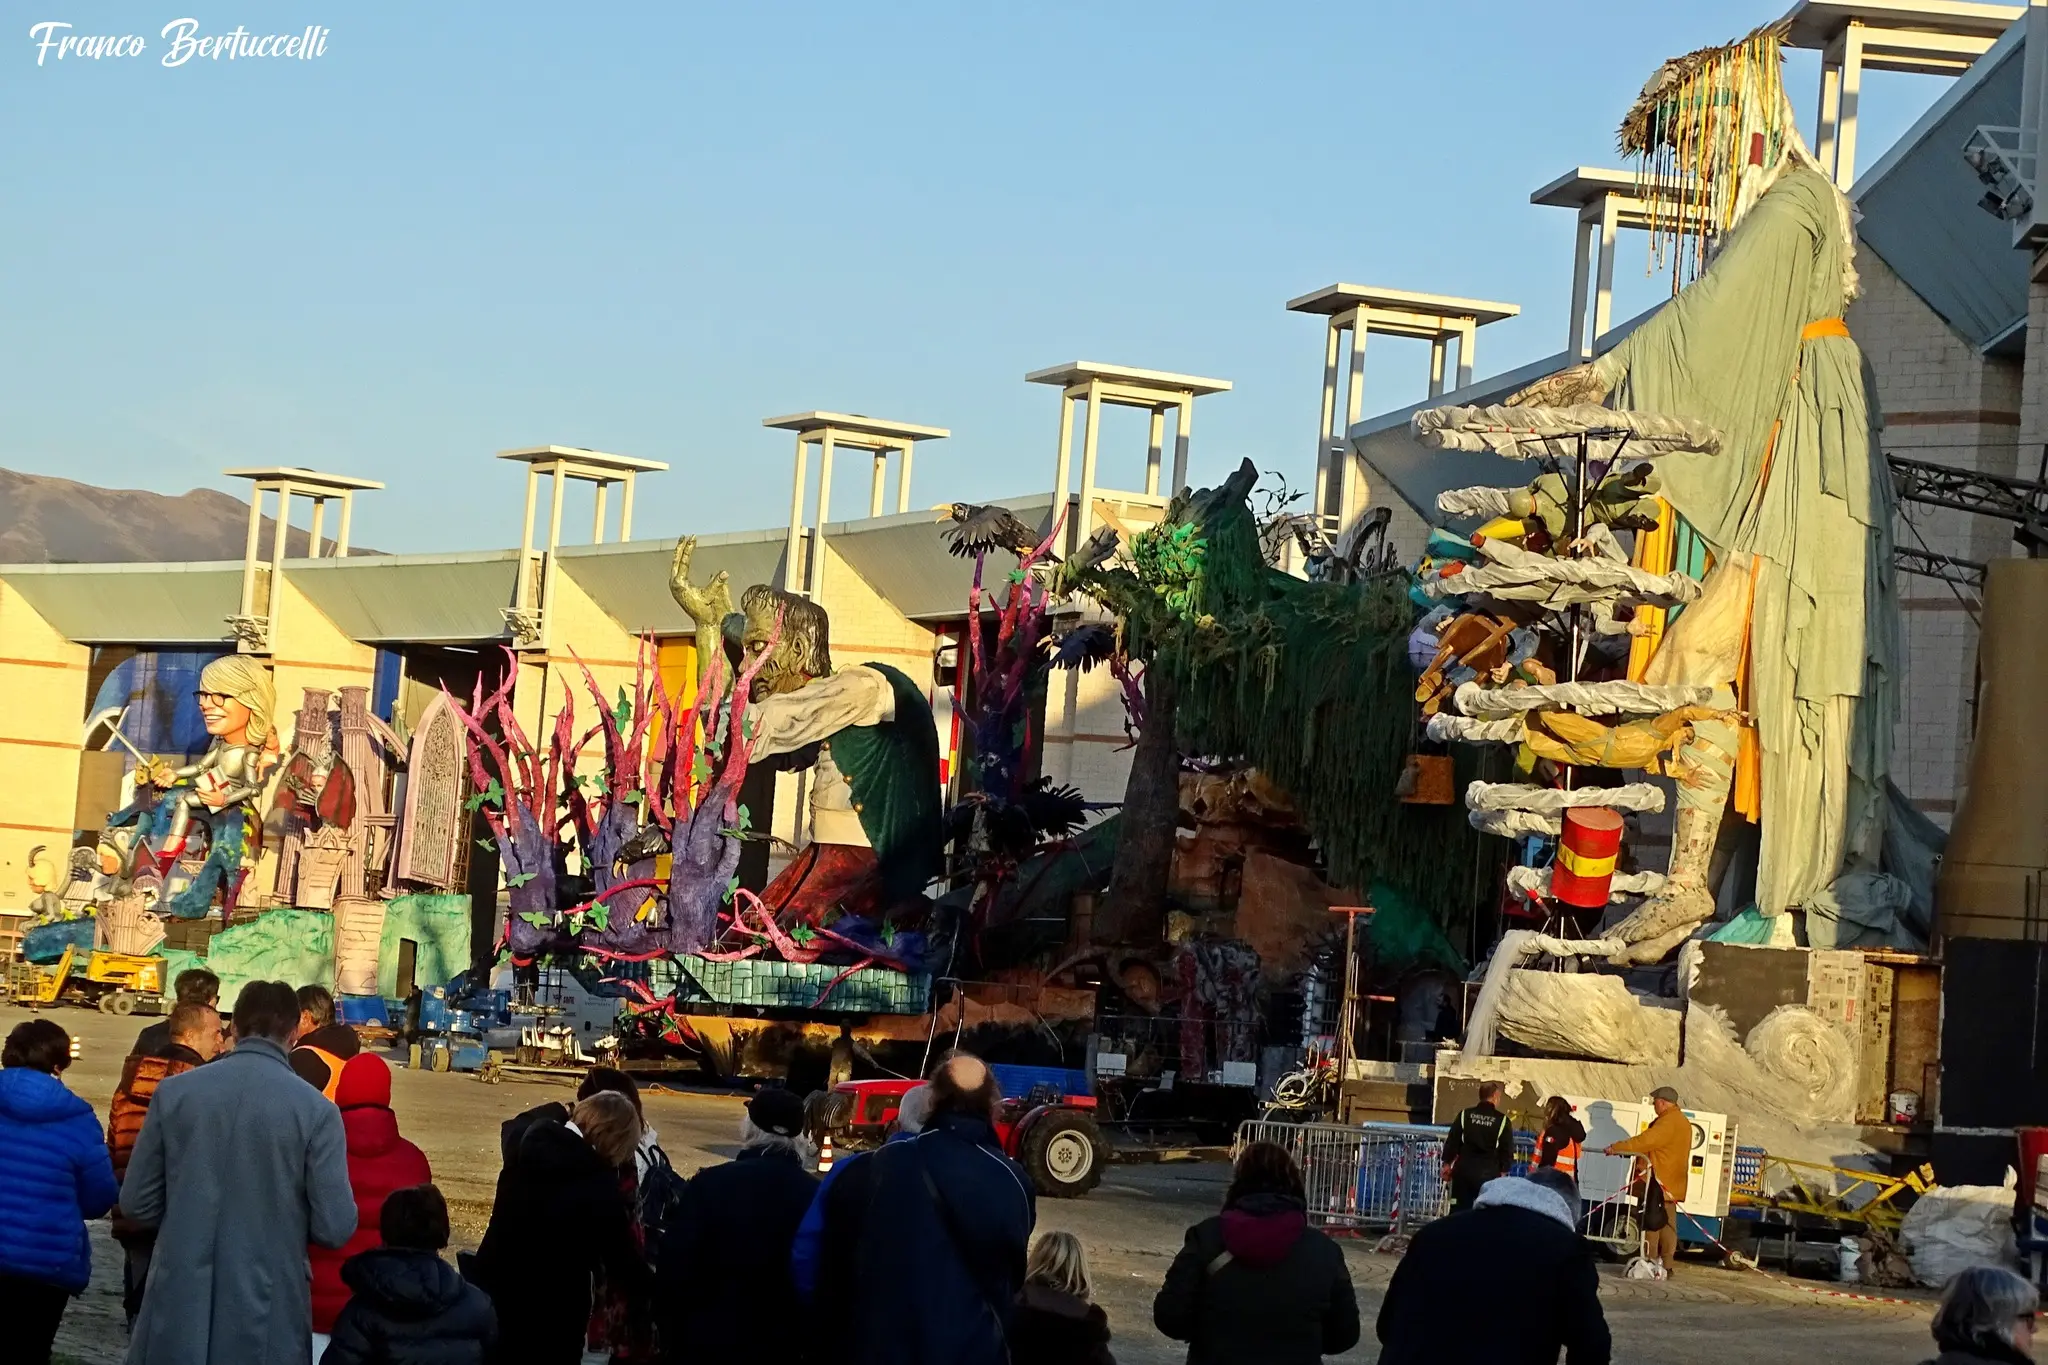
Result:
[{"x": 924, "y": 1241}]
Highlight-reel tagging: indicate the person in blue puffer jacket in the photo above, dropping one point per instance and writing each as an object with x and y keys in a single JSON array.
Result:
[{"x": 59, "y": 1174}]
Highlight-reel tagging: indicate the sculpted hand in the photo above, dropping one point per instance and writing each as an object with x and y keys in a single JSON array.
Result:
[
  {"x": 1579, "y": 384},
  {"x": 707, "y": 606}
]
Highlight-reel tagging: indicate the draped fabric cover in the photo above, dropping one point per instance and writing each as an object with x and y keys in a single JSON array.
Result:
[{"x": 1814, "y": 502}]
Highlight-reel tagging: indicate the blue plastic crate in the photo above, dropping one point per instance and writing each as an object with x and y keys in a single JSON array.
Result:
[
  {"x": 1019, "y": 1081},
  {"x": 362, "y": 1009}
]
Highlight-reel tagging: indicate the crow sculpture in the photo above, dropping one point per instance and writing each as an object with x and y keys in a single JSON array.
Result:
[{"x": 980, "y": 529}]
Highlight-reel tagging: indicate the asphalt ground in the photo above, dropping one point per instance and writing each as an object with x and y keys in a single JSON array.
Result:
[{"x": 1132, "y": 1225}]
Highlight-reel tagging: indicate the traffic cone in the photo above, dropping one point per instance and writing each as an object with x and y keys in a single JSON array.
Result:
[{"x": 825, "y": 1154}]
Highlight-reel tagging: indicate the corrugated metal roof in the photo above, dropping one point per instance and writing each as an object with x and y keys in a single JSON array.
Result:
[
  {"x": 1919, "y": 204},
  {"x": 132, "y": 604},
  {"x": 412, "y": 599},
  {"x": 630, "y": 581},
  {"x": 904, "y": 559}
]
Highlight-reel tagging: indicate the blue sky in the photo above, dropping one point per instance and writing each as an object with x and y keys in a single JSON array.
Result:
[{"x": 645, "y": 227}]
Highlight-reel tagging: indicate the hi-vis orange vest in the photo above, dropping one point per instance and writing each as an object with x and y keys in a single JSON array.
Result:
[
  {"x": 334, "y": 1065},
  {"x": 1568, "y": 1159}
]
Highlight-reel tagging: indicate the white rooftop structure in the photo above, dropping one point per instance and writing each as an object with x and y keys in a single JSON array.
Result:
[
  {"x": 1605, "y": 201},
  {"x": 254, "y": 620},
  {"x": 535, "y": 590},
  {"x": 1927, "y": 37},
  {"x": 828, "y": 431},
  {"x": 1093, "y": 383},
  {"x": 1439, "y": 319}
]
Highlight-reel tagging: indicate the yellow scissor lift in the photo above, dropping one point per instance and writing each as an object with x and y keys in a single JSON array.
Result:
[
  {"x": 118, "y": 983},
  {"x": 1850, "y": 1197}
]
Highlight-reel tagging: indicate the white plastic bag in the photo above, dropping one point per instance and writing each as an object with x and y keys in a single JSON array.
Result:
[{"x": 1955, "y": 1227}]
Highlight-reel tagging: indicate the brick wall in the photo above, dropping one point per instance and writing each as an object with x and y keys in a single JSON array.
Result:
[{"x": 1945, "y": 403}]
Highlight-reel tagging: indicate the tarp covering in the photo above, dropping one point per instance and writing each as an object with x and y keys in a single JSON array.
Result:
[
  {"x": 1619, "y": 697},
  {"x": 1535, "y": 433},
  {"x": 1638, "y": 796},
  {"x": 1576, "y": 1014},
  {"x": 1802, "y": 484},
  {"x": 1514, "y": 574}
]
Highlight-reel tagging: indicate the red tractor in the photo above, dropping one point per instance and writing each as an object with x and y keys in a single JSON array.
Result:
[{"x": 1052, "y": 1135}]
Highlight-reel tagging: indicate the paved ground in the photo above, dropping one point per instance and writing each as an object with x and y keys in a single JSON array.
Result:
[{"x": 1132, "y": 1226}]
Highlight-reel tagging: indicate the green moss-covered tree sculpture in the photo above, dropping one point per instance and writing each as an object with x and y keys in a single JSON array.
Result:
[{"x": 1310, "y": 682}]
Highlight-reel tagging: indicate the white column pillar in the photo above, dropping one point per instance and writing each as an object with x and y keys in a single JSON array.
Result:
[
  {"x": 1354, "y": 396},
  {"x": 1852, "y": 87},
  {"x": 348, "y": 506},
  {"x": 1332, "y": 336},
  {"x": 1154, "y": 450},
  {"x": 250, "y": 548},
  {"x": 1184, "y": 428},
  {"x": 1576, "y": 346},
  {"x": 1063, "y": 472},
  {"x": 817, "y": 584},
  {"x": 280, "y": 536},
  {"x": 1341, "y": 457},
  {"x": 1091, "y": 426},
  {"x": 1468, "y": 335},
  {"x": 792, "y": 577},
  {"x": 557, "y": 495},
  {"x": 319, "y": 523},
  {"x": 1828, "y": 119},
  {"x": 879, "y": 482},
  {"x": 1603, "y": 292},
  {"x": 597, "y": 514},
  {"x": 903, "y": 477},
  {"x": 1436, "y": 366},
  {"x": 626, "y": 509}
]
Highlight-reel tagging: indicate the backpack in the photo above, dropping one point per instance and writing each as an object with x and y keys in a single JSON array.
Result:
[{"x": 660, "y": 1195}]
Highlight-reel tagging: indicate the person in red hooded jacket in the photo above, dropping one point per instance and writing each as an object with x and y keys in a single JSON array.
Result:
[{"x": 380, "y": 1163}]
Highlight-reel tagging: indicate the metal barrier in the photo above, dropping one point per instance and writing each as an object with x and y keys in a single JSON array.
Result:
[{"x": 1390, "y": 1177}]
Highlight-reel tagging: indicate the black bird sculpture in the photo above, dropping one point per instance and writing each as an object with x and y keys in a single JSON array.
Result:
[{"x": 980, "y": 529}]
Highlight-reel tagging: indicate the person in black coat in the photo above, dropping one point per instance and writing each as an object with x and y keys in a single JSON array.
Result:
[
  {"x": 1521, "y": 1240},
  {"x": 924, "y": 1240},
  {"x": 1257, "y": 1282},
  {"x": 407, "y": 1305},
  {"x": 722, "y": 1267},
  {"x": 1479, "y": 1147},
  {"x": 560, "y": 1217}
]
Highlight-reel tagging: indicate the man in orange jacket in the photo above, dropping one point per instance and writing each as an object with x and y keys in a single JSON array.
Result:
[
  {"x": 1667, "y": 1145},
  {"x": 193, "y": 1034}
]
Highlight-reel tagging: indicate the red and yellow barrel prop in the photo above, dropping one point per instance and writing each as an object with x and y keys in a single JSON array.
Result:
[{"x": 1586, "y": 854}]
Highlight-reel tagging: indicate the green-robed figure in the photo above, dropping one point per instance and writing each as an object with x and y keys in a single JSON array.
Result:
[{"x": 1756, "y": 346}]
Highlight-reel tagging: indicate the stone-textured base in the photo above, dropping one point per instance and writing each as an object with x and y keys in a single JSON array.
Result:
[{"x": 766, "y": 984}]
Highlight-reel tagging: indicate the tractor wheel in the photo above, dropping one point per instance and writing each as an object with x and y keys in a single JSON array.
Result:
[
  {"x": 1065, "y": 1153},
  {"x": 120, "y": 1003}
]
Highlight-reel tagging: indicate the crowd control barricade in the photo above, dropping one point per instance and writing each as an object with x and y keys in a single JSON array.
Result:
[{"x": 1389, "y": 1177}]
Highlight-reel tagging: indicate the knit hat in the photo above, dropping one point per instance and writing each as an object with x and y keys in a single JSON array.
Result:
[{"x": 778, "y": 1112}]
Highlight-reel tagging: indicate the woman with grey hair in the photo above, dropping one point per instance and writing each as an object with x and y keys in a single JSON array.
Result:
[{"x": 1986, "y": 1313}]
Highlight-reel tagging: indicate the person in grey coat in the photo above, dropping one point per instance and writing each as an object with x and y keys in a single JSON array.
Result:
[{"x": 239, "y": 1166}]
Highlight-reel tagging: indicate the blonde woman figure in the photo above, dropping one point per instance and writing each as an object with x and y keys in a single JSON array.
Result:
[
  {"x": 237, "y": 703},
  {"x": 1055, "y": 1324}
]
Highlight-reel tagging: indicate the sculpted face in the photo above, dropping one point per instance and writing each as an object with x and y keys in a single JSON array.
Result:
[
  {"x": 784, "y": 671},
  {"x": 226, "y": 719}
]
